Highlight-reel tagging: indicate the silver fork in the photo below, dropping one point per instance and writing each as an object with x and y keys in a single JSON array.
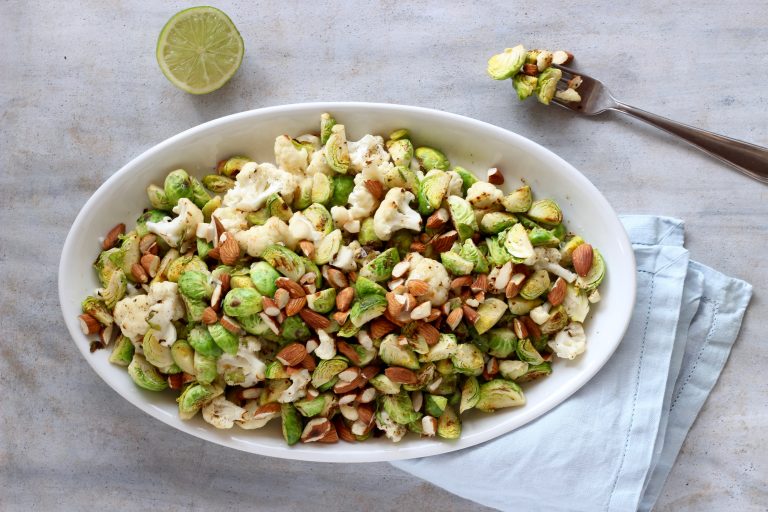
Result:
[{"x": 747, "y": 158}]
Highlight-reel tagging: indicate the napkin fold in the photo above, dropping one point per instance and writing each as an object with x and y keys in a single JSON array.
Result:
[{"x": 612, "y": 444}]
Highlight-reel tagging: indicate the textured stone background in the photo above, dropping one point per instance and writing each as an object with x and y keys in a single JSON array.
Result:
[{"x": 81, "y": 94}]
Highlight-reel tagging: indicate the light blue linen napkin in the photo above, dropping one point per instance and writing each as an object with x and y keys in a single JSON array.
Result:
[{"x": 612, "y": 444}]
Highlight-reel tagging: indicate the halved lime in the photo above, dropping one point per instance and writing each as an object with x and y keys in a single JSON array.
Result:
[{"x": 199, "y": 49}]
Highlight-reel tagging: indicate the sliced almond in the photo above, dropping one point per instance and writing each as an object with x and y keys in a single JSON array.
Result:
[
  {"x": 308, "y": 248},
  {"x": 349, "y": 374},
  {"x": 461, "y": 282},
  {"x": 438, "y": 219},
  {"x": 231, "y": 325},
  {"x": 503, "y": 277},
  {"x": 88, "y": 324},
  {"x": 433, "y": 315},
  {"x": 340, "y": 317},
  {"x": 292, "y": 354},
  {"x": 470, "y": 314},
  {"x": 344, "y": 298},
  {"x": 444, "y": 242},
  {"x": 400, "y": 269},
  {"x": 533, "y": 328},
  {"x": 380, "y": 327},
  {"x": 530, "y": 69},
  {"x": 394, "y": 306},
  {"x": 293, "y": 288},
  {"x": 495, "y": 176},
  {"x": 313, "y": 319},
  {"x": 281, "y": 298},
  {"x": 582, "y": 259},
  {"x": 370, "y": 371},
  {"x": 430, "y": 334},
  {"x": 148, "y": 244},
  {"x": 419, "y": 247},
  {"x": 519, "y": 327},
  {"x": 421, "y": 311},
  {"x": 480, "y": 284},
  {"x": 210, "y": 316},
  {"x": 113, "y": 235},
  {"x": 229, "y": 250},
  {"x": 139, "y": 274},
  {"x": 150, "y": 263},
  {"x": 273, "y": 326},
  {"x": 342, "y": 387},
  {"x": 331, "y": 437},
  {"x": 343, "y": 431},
  {"x": 367, "y": 396},
  {"x": 295, "y": 305},
  {"x": 401, "y": 375},
  {"x": 417, "y": 287},
  {"x": 375, "y": 188},
  {"x": 365, "y": 412},
  {"x": 557, "y": 293},
  {"x": 175, "y": 381},
  {"x": 454, "y": 317},
  {"x": 315, "y": 430},
  {"x": 560, "y": 57},
  {"x": 336, "y": 278},
  {"x": 348, "y": 351},
  {"x": 514, "y": 285}
]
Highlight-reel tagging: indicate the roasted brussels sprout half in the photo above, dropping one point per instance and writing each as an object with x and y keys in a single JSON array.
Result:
[
  {"x": 506, "y": 64},
  {"x": 498, "y": 394}
]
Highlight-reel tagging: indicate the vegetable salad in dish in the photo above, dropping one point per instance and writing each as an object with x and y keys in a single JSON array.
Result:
[{"x": 349, "y": 289}]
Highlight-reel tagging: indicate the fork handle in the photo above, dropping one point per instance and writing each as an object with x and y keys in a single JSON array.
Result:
[{"x": 747, "y": 158}]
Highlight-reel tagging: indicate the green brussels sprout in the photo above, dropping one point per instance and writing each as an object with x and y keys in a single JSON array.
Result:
[
  {"x": 231, "y": 166},
  {"x": 210, "y": 207},
  {"x": 545, "y": 211},
  {"x": 467, "y": 178},
  {"x": 205, "y": 368},
  {"x": 322, "y": 301},
  {"x": 557, "y": 321},
  {"x": 322, "y": 188},
  {"x": 348, "y": 330},
  {"x": 293, "y": 329},
  {"x": 513, "y": 370},
  {"x": 201, "y": 340},
  {"x": 367, "y": 308},
  {"x": 193, "y": 398},
  {"x": 517, "y": 243},
  {"x": 310, "y": 407},
  {"x": 527, "y": 352},
  {"x": 435, "y": 405},
  {"x": 242, "y": 302},
  {"x": 462, "y": 214},
  {"x": 284, "y": 261},
  {"x": 199, "y": 196},
  {"x": 336, "y": 151},
  {"x": 470, "y": 394},
  {"x": 328, "y": 247},
  {"x": 524, "y": 85},
  {"x": 541, "y": 237},
  {"x": 401, "y": 151},
  {"x": 445, "y": 347},
  {"x": 498, "y": 394},
  {"x": 107, "y": 262},
  {"x": 468, "y": 359},
  {"x": 194, "y": 285},
  {"x": 365, "y": 355},
  {"x": 122, "y": 352},
  {"x": 400, "y": 133},
  {"x": 320, "y": 218},
  {"x": 405, "y": 178},
  {"x": 203, "y": 247},
  {"x": 264, "y": 278},
  {"x": 115, "y": 289},
  {"x": 303, "y": 196},
  {"x": 310, "y": 266},
  {"x": 148, "y": 216},
  {"x": 145, "y": 375},
  {"x": 176, "y": 267},
  {"x": 401, "y": 241},
  {"x": 327, "y": 123},
  {"x": 576, "y": 303},
  {"x": 470, "y": 252},
  {"x": 275, "y": 370},
  {"x": 455, "y": 264},
  {"x": 227, "y": 341},
  {"x": 520, "y": 306},
  {"x": 257, "y": 218},
  {"x": 380, "y": 268},
  {"x": 432, "y": 190},
  {"x": 158, "y": 199},
  {"x": 130, "y": 254},
  {"x": 449, "y": 424},
  {"x": 559, "y": 232},
  {"x": 384, "y": 385},
  {"x": 157, "y": 354},
  {"x": 566, "y": 251},
  {"x": 536, "y": 371},
  {"x": 183, "y": 356},
  {"x": 327, "y": 369},
  {"x": 430, "y": 158},
  {"x": 393, "y": 354},
  {"x": 518, "y": 201},
  {"x": 399, "y": 407},
  {"x": 506, "y": 64},
  {"x": 536, "y": 284},
  {"x": 444, "y": 366},
  {"x": 365, "y": 287},
  {"x": 217, "y": 183},
  {"x": 528, "y": 223},
  {"x": 501, "y": 342},
  {"x": 342, "y": 187},
  {"x": 546, "y": 85},
  {"x": 292, "y": 424},
  {"x": 177, "y": 185},
  {"x": 595, "y": 275},
  {"x": 489, "y": 313},
  {"x": 496, "y": 222},
  {"x": 276, "y": 207},
  {"x": 194, "y": 309},
  {"x": 367, "y": 235},
  {"x": 497, "y": 252}
]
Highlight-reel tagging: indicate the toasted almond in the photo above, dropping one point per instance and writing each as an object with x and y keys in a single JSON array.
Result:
[
  {"x": 375, "y": 188},
  {"x": 394, "y": 306},
  {"x": 470, "y": 313},
  {"x": 88, "y": 324},
  {"x": 294, "y": 288},
  {"x": 582, "y": 259},
  {"x": 417, "y": 287},
  {"x": 421, "y": 311},
  {"x": 395, "y": 319},
  {"x": 438, "y": 219},
  {"x": 461, "y": 282},
  {"x": 308, "y": 278},
  {"x": 557, "y": 293},
  {"x": 444, "y": 242},
  {"x": 113, "y": 235},
  {"x": 218, "y": 230},
  {"x": 148, "y": 244},
  {"x": 224, "y": 280},
  {"x": 380, "y": 327},
  {"x": 313, "y": 319},
  {"x": 175, "y": 381},
  {"x": 242, "y": 394},
  {"x": 217, "y": 296},
  {"x": 454, "y": 317},
  {"x": 400, "y": 269},
  {"x": 210, "y": 316},
  {"x": 419, "y": 247},
  {"x": 292, "y": 354},
  {"x": 513, "y": 286},
  {"x": 315, "y": 430},
  {"x": 343, "y": 430},
  {"x": 342, "y": 387},
  {"x": 271, "y": 323},
  {"x": 530, "y": 69},
  {"x": 347, "y": 350},
  {"x": 503, "y": 277},
  {"x": 533, "y": 328},
  {"x": 336, "y": 278},
  {"x": 491, "y": 368},
  {"x": 401, "y": 375},
  {"x": 367, "y": 396},
  {"x": 331, "y": 437},
  {"x": 430, "y": 334},
  {"x": 229, "y": 250},
  {"x": 281, "y": 298},
  {"x": 519, "y": 327},
  {"x": 215, "y": 253},
  {"x": 139, "y": 274},
  {"x": 495, "y": 176},
  {"x": 150, "y": 263},
  {"x": 349, "y": 374},
  {"x": 340, "y": 317},
  {"x": 433, "y": 315},
  {"x": 308, "y": 248},
  {"x": 295, "y": 305},
  {"x": 560, "y": 57},
  {"x": 344, "y": 298},
  {"x": 365, "y": 413},
  {"x": 480, "y": 284},
  {"x": 230, "y": 325},
  {"x": 472, "y": 302}
]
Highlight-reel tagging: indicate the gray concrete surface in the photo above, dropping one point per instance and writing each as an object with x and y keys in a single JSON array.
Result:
[{"x": 81, "y": 94}]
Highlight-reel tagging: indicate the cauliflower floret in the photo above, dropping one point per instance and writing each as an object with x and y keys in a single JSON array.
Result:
[
  {"x": 362, "y": 203},
  {"x": 455, "y": 186},
  {"x": 540, "y": 314},
  {"x": 395, "y": 213},
  {"x": 231, "y": 218},
  {"x": 221, "y": 413},
  {"x": 256, "y": 239},
  {"x": 256, "y": 182},
  {"x": 484, "y": 195},
  {"x": 161, "y": 306},
  {"x": 434, "y": 274},
  {"x": 318, "y": 165},
  {"x": 298, "y": 387},
  {"x": 345, "y": 258},
  {"x": 392, "y": 430},
  {"x": 242, "y": 369},
  {"x": 131, "y": 316},
  {"x": 570, "y": 342},
  {"x": 289, "y": 156},
  {"x": 368, "y": 151},
  {"x": 301, "y": 228},
  {"x": 181, "y": 228},
  {"x": 548, "y": 259},
  {"x": 342, "y": 219},
  {"x": 327, "y": 347}
]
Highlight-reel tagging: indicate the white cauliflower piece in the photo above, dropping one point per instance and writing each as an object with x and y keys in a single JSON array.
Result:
[
  {"x": 570, "y": 342},
  {"x": 131, "y": 316},
  {"x": 362, "y": 203},
  {"x": 231, "y": 218},
  {"x": 180, "y": 229},
  {"x": 256, "y": 239},
  {"x": 340, "y": 216},
  {"x": 484, "y": 195},
  {"x": 540, "y": 314},
  {"x": 318, "y": 165},
  {"x": 256, "y": 182},
  {"x": 251, "y": 420},
  {"x": 434, "y": 274},
  {"x": 301, "y": 228},
  {"x": 395, "y": 213},
  {"x": 289, "y": 156},
  {"x": 548, "y": 259},
  {"x": 327, "y": 347},
  {"x": 455, "y": 186},
  {"x": 242, "y": 369},
  {"x": 345, "y": 258},
  {"x": 221, "y": 413},
  {"x": 298, "y": 387},
  {"x": 368, "y": 151},
  {"x": 392, "y": 430},
  {"x": 161, "y": 306}
]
